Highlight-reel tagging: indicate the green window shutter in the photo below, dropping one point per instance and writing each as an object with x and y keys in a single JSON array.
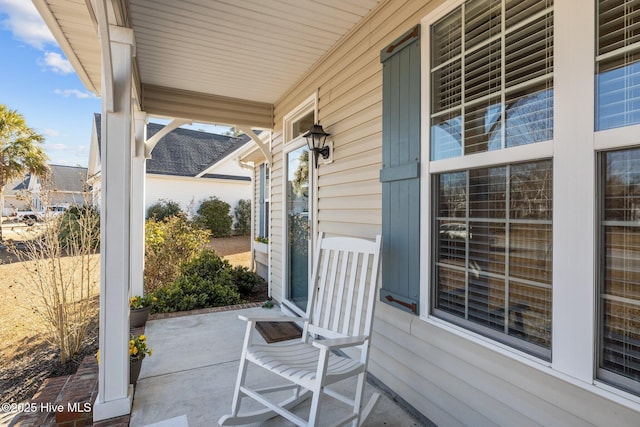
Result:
[{"x": 400, "y": 174}]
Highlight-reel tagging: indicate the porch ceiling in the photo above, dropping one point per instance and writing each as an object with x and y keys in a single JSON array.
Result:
[{"x": 238, "y": 54}]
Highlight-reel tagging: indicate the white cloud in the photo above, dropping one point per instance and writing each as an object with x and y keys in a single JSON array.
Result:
[
  {"x": 82, "y": 150},
  {"x": 25, "y": 23},
  {"x": 57, "y": 147},
  {"x": 57, "y": 63},
  {"x": 50, "y": 133},
  {"x": 23, "y": 20},
  {"x": 67, "y": 93}
]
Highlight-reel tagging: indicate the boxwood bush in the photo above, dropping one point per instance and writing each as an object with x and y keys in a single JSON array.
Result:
[
  {"x": 206, "y": 281},
  {"x": 213, "y": 214},
  {"x": 164, "y": 208}
]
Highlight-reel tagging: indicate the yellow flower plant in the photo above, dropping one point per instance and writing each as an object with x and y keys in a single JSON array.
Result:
[
  {"x": 137, "y": 301},
  {"x": 138, "y": 348}
]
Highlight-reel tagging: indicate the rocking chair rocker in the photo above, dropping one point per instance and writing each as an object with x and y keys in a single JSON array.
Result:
[{"x": 338, "y": 320}]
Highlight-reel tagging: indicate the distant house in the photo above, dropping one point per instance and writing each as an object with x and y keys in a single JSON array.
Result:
[
  {"x": 186, "y": 166},
  {"x": 66, "y": 185},
  {"x": 12, "y": 200}
]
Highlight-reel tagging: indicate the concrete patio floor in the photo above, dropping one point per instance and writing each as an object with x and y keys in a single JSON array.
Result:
[{"x": 190, "y": 378}]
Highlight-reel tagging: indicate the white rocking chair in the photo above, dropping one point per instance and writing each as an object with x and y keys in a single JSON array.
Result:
[{"x": 339, "y": 317}]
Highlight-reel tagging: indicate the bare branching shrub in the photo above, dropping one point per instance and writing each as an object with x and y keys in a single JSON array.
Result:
[
  {"x": 168, "y": 245},
  {"x": 62, "y": 273}
]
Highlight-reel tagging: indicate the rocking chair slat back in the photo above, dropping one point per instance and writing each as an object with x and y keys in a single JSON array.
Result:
[{"x": 341, "y": 303}]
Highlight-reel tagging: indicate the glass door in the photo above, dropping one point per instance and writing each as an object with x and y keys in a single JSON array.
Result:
[{"x": 298, "y": 226}]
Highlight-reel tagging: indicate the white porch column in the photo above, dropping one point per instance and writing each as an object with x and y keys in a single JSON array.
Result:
[
  {"x": 138, "y": 180},
  {"x": 114, "y": 393}
]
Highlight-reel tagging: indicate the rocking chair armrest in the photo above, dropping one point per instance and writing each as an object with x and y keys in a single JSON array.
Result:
[
  {"x": 271, "y": 319},
  {"x": 335, "y": 343}
]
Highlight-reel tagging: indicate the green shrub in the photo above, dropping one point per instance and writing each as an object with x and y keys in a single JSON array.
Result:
[
  {"x": 206, "y": 281},
  {"x": 243, "y": 217},
  {"x": 80, "y": 223},
  {"x": 208, "y": 265},
  {"x": 213, "y": 214},
  {"x": 168, "y": 245},
  {"x": 191, "y": 293},
  {"x": 164, "y": 209},
  {"x": 247, "y": 281}
]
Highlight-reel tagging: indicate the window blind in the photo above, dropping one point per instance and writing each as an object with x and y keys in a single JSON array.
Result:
[
  {"x": 620, "y": 283},
  {"x": 483, "y": 54},
  {"x": 618, "y": 64},
  {"x": 493, "y": 264}
]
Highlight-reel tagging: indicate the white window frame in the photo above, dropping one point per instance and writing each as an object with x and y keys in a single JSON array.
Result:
[
  {"x": 304, "y": 108},
  {"x": 265, "y": 184}
]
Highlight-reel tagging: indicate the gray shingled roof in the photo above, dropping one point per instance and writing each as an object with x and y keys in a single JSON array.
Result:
[
  {"x": 64, "y": 178},
  {"x": 185, "y": 152},
  {"x": 68, "y": 178},
  {"x": 17, "y": 185}
]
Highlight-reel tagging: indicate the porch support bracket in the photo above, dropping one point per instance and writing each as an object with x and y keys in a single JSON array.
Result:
[
  {"x": 150, "y": 144},
  {"x": 261, "y": 145}
]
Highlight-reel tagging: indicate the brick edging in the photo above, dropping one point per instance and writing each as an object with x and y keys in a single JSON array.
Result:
[{"x": 158, "y": 316}]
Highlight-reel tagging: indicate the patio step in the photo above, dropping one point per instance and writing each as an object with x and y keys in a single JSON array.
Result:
[{"x": 68, "y": 401}]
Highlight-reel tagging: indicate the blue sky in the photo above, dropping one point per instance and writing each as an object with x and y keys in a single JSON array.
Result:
[{"x": 38, "y": 81}]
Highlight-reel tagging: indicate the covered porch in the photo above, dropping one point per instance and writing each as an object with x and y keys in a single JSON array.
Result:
[
  {"x": 186, "y": 61},
  {"x": 189, "y": 380}
]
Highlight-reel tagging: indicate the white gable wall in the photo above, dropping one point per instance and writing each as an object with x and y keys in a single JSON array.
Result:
[
  {"x": 190, "y": 192},
  {"x": 228, "y": 166}
]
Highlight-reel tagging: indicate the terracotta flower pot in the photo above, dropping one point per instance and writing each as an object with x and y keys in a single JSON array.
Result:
[
  {"x": 138, "y": 317},
  {"x": 134, "y": 369}
]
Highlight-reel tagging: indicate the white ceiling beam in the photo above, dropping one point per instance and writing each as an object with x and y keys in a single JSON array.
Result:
[{"x": 206, "y": 108}]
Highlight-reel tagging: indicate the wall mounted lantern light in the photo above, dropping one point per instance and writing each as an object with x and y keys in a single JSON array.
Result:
[{"x": 316, "y": 140}]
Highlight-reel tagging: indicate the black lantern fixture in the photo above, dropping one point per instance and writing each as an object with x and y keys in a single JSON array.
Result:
[{"x": 316, "y": 140}]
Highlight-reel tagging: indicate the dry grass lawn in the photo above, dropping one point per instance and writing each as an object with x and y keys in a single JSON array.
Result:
[{"x": 23, "y": 332}]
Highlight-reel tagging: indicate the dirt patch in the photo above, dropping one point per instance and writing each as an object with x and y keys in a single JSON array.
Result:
[{"x": 236, "y": 250}]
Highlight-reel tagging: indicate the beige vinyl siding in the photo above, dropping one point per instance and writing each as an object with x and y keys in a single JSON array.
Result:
[
  {"x": 498, "y": 390},
  {"x": 451, "y": 379},
  {"x": 276, "y": 205}
]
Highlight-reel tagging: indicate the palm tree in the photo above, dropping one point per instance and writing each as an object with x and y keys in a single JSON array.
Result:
[{"x": 21, "y": 150}]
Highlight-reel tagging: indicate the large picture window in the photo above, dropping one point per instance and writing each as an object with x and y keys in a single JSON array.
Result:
[
  {"x": 617, "y": 105},
  {"x": 491, "y": 85},
  {"x": 491, "y": 77},
  {"x": 620, "y": 269},
  {"x": 493, "y": 262}
]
